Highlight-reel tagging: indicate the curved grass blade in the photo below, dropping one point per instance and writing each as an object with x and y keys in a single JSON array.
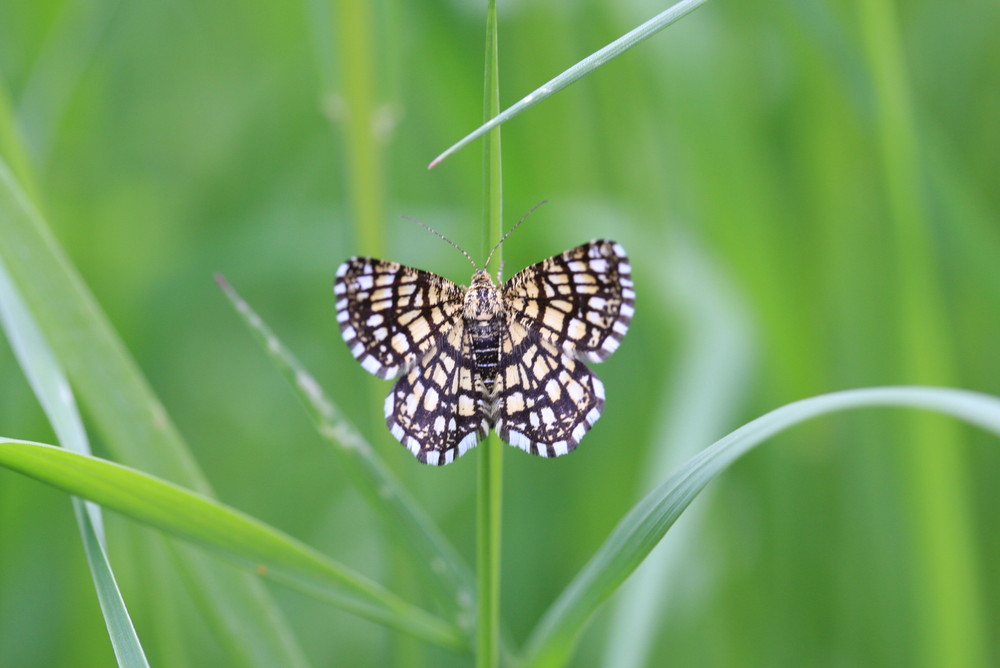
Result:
[
  {"x": 198, "y": 519},
  {"x": 585, "y": 66},
  {"x": 402, "y": 515},
  {"x": 131, "y": 420},
  {"x": 642, "y": 528},
  {"x": 53, "y": 391},
  {"x": 718, "y": 346}
]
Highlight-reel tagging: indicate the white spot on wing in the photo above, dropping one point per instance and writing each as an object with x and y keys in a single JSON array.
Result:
[
  {"x": 466, "y": 443},
  {"x": 371, "y": 364},
  {"x": 593, "y": 415},
  {"x": 519, "y": 440},
  {"x": 598, "y": 387}
]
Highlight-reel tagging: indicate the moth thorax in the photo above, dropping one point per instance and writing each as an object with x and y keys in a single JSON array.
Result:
[{"x": 482, "y": 301}]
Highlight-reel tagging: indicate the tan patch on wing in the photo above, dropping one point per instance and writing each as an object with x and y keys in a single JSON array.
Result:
[
  {"x": 548, "y": 400},
  {"x": 582, "y": 300},
  {"x": 390, "y": 315}
]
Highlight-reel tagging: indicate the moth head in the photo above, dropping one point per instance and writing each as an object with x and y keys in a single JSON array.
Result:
[{"x": 482, "y": 301}]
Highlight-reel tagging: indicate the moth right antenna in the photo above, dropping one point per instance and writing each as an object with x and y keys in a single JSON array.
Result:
[
  {"x": 511, "y": 231},
  {"x": 449, "y": 241}
]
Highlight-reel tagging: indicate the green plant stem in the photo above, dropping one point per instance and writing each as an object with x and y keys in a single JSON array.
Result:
[
  {"x": 355, "y": 55},
  {"x": 490, "y": 496}
]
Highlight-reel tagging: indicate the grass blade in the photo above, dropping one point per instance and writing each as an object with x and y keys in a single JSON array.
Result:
[
  {"x": 199, "y": 519},
  {"x": 642, "y": 528},
  {"x": 718, "y": 346},
  {"x": 585, "y": 66},
  {"x": 54, "y": 393},
  {"x": 124, "y": 640},
  {"x": 403, "y": 516},
  {"x": 130, "y": 418}
]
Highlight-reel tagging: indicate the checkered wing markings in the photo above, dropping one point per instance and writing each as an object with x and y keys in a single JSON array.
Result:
[
  {"x": 581, "y": 300},
  {"x": 548, "y": 400},
  {"x": 435, "y": 409},
  {"x": 390, "y": 315}
]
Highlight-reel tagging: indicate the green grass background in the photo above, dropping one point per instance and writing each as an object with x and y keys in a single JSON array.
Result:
[{"x": 809, "y": 194}]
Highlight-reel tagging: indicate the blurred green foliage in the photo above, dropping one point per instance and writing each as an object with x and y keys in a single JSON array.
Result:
[{"x": 831, "y": 166}]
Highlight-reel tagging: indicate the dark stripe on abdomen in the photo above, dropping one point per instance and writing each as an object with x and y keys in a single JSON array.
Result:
[{"x": 486, "y": 349}]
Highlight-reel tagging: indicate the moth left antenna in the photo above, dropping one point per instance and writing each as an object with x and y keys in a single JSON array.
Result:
[
  {"x": 449, "y": 241},
  {"x": 511, "y": 231}
]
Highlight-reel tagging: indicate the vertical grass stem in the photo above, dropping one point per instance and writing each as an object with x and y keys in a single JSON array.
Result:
[
  {"x": 947, "y": 570},
  {"x": 490, "y": 487}
]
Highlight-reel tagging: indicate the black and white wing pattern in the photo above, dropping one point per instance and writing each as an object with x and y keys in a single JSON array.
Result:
[
  {"x": 390, "y": 315},
  {"x": 547, "y": 400},
  {"x": 436, "y": 409},
  {"x": 480, "y": 358},
  {"x": 581, "y": 300},
  {"x": 572, "y": 307},
  {"x": 400, "y": 320}
]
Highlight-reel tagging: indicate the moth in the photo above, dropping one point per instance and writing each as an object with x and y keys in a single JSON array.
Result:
[{"x": 507, "y": 357}]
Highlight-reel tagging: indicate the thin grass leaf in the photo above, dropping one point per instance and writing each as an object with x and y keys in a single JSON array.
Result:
[
  {"x": 124, "y": 640},
  {"x": 54, "y": 393},
  {"x": 716, "y": 351},
  {"x": 641, "y": 529},
  {"x": 199, "y": 519},
  {"x": 449, "y": 576},
  {"x": 128, "y": 415},
  {"x": 577, "y": 71}
]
